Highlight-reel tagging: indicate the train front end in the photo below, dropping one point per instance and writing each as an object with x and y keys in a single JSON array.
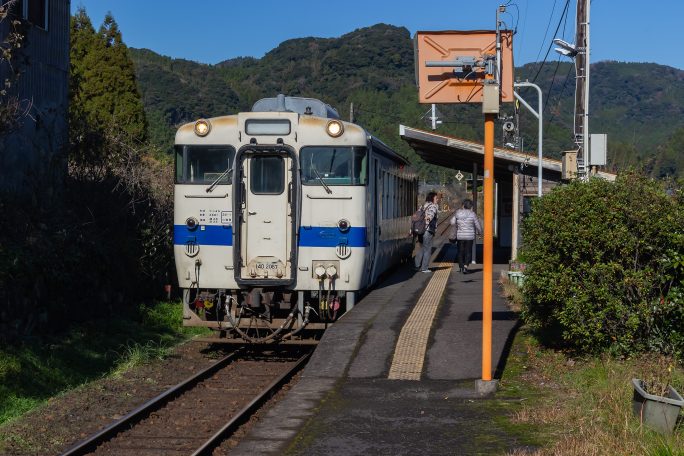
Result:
[{"x": 269, "y": 220}]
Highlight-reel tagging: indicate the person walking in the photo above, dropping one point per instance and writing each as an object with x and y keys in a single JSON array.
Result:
[
  {"x": 429, "y": 208},
  {"x": 467, "y": 226}
]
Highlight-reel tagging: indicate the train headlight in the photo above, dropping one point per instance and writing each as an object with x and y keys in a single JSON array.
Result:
[
  {"x": 335, "y": 128},
  {"x": 319, "y": 271},
  {"x": 202, "y": 127},
  {"x": 343, "y": 225},
  {"x": 331, "y": 271},
  {"x": 191, "y": 223}
]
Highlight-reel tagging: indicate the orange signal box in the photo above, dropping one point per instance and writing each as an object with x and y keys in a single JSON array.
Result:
[{"x": 450, "y": 65}]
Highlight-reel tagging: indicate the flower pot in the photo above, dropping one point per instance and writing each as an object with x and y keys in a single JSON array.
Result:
[{"x": 657, "y": 412}]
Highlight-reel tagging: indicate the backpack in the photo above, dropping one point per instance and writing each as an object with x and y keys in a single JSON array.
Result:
[{"x": 418, "y": 221}]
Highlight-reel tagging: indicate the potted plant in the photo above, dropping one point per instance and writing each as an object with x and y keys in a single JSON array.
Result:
[{"x": 657, "y": 406}]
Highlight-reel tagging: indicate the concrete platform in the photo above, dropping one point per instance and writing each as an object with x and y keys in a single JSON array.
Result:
[{"x": 346, "y": 405}]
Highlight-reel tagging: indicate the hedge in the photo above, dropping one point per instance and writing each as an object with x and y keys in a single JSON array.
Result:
[{"x": 605, "y": 266}]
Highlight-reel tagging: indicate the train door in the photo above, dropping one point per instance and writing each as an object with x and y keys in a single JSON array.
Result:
[
  {"x": 375, "y": 208},
  {"x": 267, "y": 214}
]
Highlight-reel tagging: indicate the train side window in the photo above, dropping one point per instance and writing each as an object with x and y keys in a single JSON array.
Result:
[
  {"x": 395, "y": 196},
  {"x": 267, "y": 175},
  {"x": 360, "y": 166}
]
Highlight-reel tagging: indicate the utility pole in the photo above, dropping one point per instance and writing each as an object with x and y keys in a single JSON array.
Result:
[
  {"x": 582, "y": 88},
  {"x": 351, "y": 112},
  {"x": 434, "y": 119}
]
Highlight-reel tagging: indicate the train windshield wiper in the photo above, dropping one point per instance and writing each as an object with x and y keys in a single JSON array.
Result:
[
  {"x": 215, "y": 183},
  {"x": 327, "y": 189}
]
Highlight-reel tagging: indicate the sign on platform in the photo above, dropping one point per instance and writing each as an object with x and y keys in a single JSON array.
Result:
[{"x": 451, "y": 65}]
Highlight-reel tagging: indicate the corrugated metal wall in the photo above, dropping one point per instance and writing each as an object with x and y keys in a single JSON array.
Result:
[
  {"x": 36, "y": 151},
  {"x": 46, "y": 76}
]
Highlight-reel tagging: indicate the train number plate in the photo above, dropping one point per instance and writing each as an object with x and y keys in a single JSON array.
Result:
[{"x": 270, "y": 266}]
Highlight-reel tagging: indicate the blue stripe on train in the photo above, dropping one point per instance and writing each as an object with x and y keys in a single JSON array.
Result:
[
  {"x": 203, "y": 235},
  {"x": 309, "y": 236},
  {"x": 319, "y": 236}
]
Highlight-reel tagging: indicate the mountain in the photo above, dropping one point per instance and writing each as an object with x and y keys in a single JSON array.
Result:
[{"x": 639, "y": 105}]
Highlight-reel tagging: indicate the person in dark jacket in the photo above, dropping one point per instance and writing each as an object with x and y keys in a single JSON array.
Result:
[
  {"x": 422, "y": 260},
  {"x": 467, "y": 227}
]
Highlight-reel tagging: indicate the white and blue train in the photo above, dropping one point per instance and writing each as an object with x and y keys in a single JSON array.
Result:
[{"x": 282, "y": 215}]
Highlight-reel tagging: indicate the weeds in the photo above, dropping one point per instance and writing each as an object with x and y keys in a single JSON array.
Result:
[
  {"x": 512, "y": 293},
  {"x": 136, "y": 354},
  {"x": 32, "y": 372},
  {"x": 584, "y": 406}
]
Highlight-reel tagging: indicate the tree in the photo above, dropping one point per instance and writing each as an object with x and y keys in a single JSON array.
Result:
[
  {"x": 103, "y": 92},
  {"x": 12, "y": 108}
]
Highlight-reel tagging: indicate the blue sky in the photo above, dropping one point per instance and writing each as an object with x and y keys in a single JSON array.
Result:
[{"x": 210, "y": 31}]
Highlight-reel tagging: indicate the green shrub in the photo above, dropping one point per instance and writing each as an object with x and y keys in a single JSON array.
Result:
[{"x": 605, "y": 264}]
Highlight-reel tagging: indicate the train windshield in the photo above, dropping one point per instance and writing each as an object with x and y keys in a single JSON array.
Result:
[
  {"x": 334, "y": 165},
  {"x": 204, "y": 164}
]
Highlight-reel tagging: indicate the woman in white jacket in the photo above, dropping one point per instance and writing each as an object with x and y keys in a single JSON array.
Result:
[{"x": 467, "y": 227}]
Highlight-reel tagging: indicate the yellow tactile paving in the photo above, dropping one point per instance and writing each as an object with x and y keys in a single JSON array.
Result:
[{"x": 409, "y": 353}]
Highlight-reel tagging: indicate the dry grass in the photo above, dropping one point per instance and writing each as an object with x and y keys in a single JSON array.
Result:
[
  {"x": 585, "y": 406},
  {"x": 512, "y": 293}
]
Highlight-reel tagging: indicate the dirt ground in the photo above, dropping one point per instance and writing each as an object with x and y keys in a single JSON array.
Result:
[{"x": 73, "y": 416}]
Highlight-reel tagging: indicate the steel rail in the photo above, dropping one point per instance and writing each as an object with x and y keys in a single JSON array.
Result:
[
  {"x": 247, "y": 411},
  {"x": 91, "y": 443},
  {"x": 451, "y": 214}
]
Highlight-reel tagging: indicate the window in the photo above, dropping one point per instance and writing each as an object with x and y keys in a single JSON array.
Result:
[
  {"x": 334, "y": 165},
  {"x": 204, "y": 164},
  {"x": 267, "y": 127},
  {"x": 267, "y": 175},
  {"x": 36, "y": 12}
]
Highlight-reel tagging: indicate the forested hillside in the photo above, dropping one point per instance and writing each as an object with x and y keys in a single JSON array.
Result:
[{"x": 639, "y": 105}]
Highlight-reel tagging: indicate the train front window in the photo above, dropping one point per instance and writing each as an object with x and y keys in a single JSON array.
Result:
[
  {"x": 204, "y": 164},
  {"x": 334, "y": 165},
  {"x": 267, "y": 175}
]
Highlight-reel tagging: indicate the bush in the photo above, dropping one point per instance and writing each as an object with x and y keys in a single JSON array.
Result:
[
  {"x": 103, "y": 246},
  {"x": 605, "y": 267}
]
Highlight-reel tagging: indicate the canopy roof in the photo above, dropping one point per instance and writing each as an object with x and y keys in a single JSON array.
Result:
[{"x": 451, "y": 152}]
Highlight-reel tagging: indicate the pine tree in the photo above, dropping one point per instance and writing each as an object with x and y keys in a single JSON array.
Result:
[{"x": 103, "y": 90}]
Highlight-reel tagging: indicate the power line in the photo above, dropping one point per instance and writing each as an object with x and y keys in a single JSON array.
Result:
[
  {"x": 558, "y": 99},
  {"x": 565, "y": 10},
  {"x": 553, "y": 79},
  {"x": 553, "y": 10}
]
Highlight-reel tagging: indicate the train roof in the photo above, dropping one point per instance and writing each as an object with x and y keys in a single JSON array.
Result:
[
  {"x": 387, "y": 150},
  {"x": 301, "y": 105}
]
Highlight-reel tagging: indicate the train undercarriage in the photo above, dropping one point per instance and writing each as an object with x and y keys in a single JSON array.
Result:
[{"x": 265, "y": 315}]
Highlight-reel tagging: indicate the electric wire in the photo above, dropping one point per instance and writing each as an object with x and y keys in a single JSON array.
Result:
[
  {"x": 548, "y": 26},
  {"x": 565, "y": 11},
  {"x": 559, "y": 97},
  {"x": 553, "y": 79}
]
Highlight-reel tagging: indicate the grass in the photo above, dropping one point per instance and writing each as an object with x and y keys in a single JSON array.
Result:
[
  {"x": 575, "y": 407},
  {"x": 34, "y": 371},
  {"x": 583, "y": 406}
]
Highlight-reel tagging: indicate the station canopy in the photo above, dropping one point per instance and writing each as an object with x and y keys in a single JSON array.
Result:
[{"x": 456, "y": 153}]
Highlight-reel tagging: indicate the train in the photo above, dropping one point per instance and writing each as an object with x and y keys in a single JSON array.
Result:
[{"x": 283, "y": 216}]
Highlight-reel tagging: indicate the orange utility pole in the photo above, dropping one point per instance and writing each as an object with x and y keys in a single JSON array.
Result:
[
  {"x": 488, "y": 247},
  {"x": 472, "y": 67},
  {"x": 491, "y": 101}
]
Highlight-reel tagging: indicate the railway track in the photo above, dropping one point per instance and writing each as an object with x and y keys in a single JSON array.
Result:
[{"x": 197, "y": 415}]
